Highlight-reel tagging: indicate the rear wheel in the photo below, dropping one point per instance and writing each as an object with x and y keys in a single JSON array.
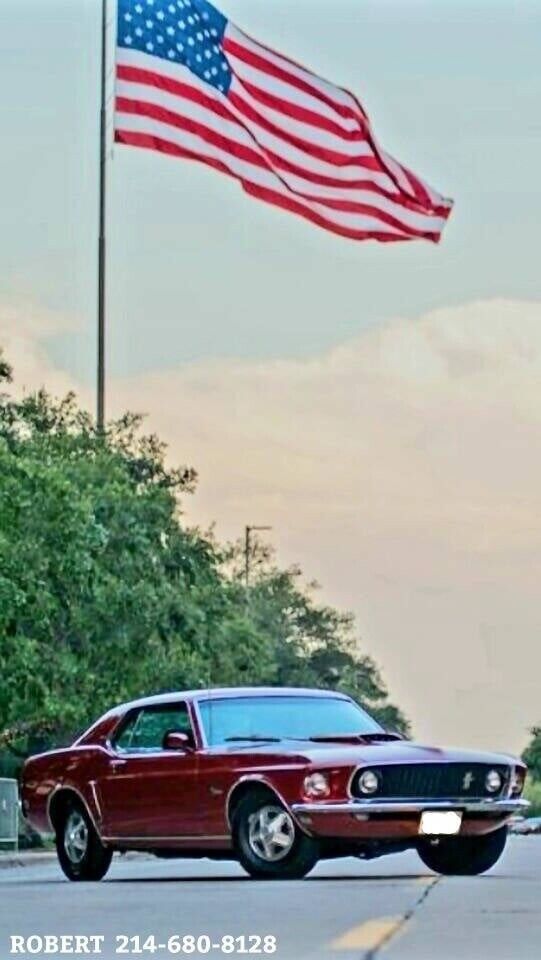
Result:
[
  {"x": 268, "y": 842},
  {"x": 463, "y": 856},
  {"x": 80, "y": 851}
]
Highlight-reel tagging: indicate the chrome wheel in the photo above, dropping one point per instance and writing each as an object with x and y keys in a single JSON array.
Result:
[
  {"x": 76, "y": 836},
  {"x": 271, "y": 833}
]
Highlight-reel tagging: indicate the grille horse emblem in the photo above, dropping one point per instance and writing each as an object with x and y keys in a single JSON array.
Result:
[{"x": 467, "y": 780}]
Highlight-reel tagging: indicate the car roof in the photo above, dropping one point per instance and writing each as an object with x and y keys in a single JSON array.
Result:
[
  {"x": 107, "y": 722},
  {"x": 226, "y": 693}
]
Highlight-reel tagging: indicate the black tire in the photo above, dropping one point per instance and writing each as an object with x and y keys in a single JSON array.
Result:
[
  {"x": 463, "y": 856},
  {"x": 291, "y": 863},
  {"x": 80, "y": 851}
]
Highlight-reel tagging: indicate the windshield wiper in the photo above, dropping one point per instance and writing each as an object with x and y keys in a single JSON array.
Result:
[
  {"x": 254, "y": 739},
  {"x": 319, "y": 738}
]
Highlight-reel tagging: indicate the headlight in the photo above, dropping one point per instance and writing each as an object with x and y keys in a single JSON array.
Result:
[
  {"x": 517, "y": 782},
  {"x": 369, "y": 782},
  {"x": 316, "y": 785},
  {"x": 493, "y": 781}
]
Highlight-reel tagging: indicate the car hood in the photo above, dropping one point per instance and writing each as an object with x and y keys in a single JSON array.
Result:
[{"x": 399, "y": 751}]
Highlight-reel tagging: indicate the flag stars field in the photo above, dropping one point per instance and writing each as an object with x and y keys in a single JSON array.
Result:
[{"x": 291, "y": 138}]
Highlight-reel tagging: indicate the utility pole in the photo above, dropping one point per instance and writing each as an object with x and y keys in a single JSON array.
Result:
[{"x": 248, "y": 551}]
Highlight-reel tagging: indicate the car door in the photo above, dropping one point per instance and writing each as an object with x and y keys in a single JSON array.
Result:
[{"x": 148, "y": 792}]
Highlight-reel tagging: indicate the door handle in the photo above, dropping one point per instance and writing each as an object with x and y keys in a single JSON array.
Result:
[{"x": 117, "y": 765}]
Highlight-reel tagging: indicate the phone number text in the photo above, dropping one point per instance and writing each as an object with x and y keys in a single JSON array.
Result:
[{"x": 176, "y": 945}]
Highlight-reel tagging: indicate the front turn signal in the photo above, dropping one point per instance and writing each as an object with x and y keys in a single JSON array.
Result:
[{"x": 518, "y": 780}]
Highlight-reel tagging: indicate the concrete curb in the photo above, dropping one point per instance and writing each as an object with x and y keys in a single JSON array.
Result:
[
  {"x": 26, "y": 858},
  {"x": 37, "y": 858}
]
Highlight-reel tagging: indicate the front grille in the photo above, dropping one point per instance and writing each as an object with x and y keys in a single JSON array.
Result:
[{"x": 433, "y": 781}]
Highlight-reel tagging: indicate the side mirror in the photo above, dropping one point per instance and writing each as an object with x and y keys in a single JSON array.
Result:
[{"x": 174, "y": 740}]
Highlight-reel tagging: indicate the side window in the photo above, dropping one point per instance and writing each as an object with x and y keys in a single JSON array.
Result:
[
  {"x": 146, "y": 729},
  {"x": 122, "y": 740}
]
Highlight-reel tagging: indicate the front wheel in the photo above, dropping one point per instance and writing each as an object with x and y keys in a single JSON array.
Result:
[
  {"x": 80, "y": 851},
  {"x": 268, "y": 843},
  {"x": 463, "y": 856}
]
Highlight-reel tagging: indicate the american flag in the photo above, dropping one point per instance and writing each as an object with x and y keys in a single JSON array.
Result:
[{"x": 190, "y": 84}]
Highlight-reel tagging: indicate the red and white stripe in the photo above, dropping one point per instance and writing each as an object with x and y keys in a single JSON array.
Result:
[{"x": 290, "y": 138}]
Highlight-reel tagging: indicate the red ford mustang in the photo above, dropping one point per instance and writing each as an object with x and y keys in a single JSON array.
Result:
[{"x": 274, "y": 778}]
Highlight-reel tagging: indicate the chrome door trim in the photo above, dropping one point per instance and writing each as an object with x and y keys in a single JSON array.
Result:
[
  {"x": 199, "y": 725},
  {"x": 180, "y": 838}
]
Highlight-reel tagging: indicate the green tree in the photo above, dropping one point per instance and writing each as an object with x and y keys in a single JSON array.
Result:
[
  {"x": 106, "y": 594},
  {"x": 532, "y": 754}
]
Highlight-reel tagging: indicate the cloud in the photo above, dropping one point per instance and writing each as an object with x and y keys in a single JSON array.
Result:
[
  {"x": 403, "y": 470},
  {"x": 24, "y": 332}
]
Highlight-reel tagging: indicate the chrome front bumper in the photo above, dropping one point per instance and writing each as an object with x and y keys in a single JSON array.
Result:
[{"x": 364, "y": 808}]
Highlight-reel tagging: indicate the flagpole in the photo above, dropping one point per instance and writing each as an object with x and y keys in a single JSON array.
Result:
[{"x": 102, "y": 224}]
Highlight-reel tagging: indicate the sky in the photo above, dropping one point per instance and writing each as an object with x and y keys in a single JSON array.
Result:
[{"x": 378, "y": 406}]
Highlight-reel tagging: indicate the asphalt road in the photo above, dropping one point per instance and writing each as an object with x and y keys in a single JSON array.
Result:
[{"x": 391, "y": 908}]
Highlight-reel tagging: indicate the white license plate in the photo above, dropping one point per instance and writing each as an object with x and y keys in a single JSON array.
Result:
[{"x": 444, "y": 824}]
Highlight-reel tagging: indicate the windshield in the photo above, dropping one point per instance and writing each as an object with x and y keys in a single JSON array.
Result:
[{"x": 282, "y": 717}]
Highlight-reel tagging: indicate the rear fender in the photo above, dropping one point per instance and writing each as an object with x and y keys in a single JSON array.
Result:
[{"x": 64, "y": 794}]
